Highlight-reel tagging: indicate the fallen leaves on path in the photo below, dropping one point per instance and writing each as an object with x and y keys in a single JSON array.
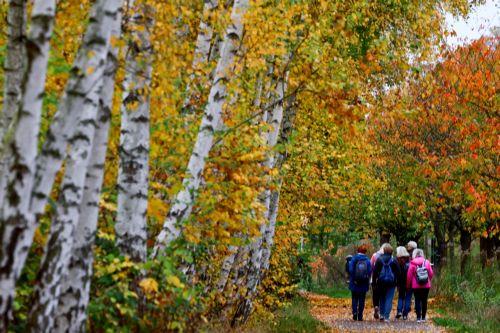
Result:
[{"x": 335, "y": 313}]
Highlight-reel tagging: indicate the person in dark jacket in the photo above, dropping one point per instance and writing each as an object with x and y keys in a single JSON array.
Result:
[
  {"x": 386, "y": 275},
  {"x": 359, "y": 281},
  {"x": 404, "y": 303}
]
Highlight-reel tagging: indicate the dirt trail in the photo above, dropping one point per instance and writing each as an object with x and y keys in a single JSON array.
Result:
[{"x": 335, "y": 313}]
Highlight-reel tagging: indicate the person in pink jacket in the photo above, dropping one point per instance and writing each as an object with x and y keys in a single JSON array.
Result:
[{"x": 419, "y": 279}]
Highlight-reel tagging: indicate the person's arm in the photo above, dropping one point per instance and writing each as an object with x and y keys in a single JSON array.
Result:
[
  {"x": 351, "y": 267},
  {"x": 369, "y": 267},
  {"x": 409, "y": 276},
  {"x": 376, "y": 271}
]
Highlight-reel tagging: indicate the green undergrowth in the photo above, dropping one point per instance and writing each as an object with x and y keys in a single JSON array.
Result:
[
  {"x": 294, "y": 318},
  {"x": 469, "y": 302}
]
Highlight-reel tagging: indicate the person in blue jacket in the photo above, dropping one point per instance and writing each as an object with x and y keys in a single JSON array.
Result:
[{"x": 359, "y": 272}]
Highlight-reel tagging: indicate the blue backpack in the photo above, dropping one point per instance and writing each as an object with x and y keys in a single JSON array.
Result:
[
  {"x": 386, "y": 275},
  {"x": 361, "y": 271}
]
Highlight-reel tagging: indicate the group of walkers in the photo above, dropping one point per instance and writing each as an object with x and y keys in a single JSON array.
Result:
[{"x": 409, "y": 272}]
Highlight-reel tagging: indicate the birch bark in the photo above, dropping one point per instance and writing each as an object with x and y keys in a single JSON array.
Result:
[
  {"x": 86, "y": 73},
  {"x": 202, "y": 50},
  {"x": 14, "y": 64},
  {"x": 274, "y": 119},
  {"x": 184, "y": 200},
  {"x": 130, "y": 227},
  {"x": 58, "y": 249},
  {"x": 70, "y": 315},
  {"x": 16, "y": 222}
]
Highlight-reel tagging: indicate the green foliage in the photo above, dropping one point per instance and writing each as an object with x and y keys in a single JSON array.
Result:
[
  {"x": 294, "y": 317},
  {"x": 471, "y": 302}
]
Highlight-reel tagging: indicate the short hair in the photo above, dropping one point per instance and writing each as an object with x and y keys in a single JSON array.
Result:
[
  {"x": 388, "y": 249},
  {"x": 362, "y": 248},
  {"x": 418, "y": 253},
  {"x": 411, "y": 245},
  {"x": 401, "y": 252},
  {"x": 383, "y": 247}
]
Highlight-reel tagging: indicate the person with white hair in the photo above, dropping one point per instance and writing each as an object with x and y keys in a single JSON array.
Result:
[
  {"x": 419, "y": 279},
  {"x": 404, "y": 304},
  {"x": 411, "y": 246}
]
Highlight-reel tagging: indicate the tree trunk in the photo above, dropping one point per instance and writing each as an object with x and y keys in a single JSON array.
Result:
[
  {"x": 14, "y": 63},
  {"x": 86, "y": 73},
  {"x": 487, "y": 248},
  {"x": 441, "y": 249},
  {"x": 16, "y": 222},
  {"x": 184, "y": 200},
  {"x": 465, "y": 244},
  {"x": 451, "y": 244},
  {"x": 202, "y": 51},
  {"x": 70, "y": 314},
  {"x": 257, "y": 258},
  {"x": 131, "y": 223},
  {"x": 385, "y": 237},
  {"x": 67, "y": 212}
]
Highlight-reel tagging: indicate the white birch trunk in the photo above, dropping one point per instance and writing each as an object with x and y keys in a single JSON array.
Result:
[
  {"x": 16, "y": 222},
  {"x": 201, "y": 54},
  {"x": 184, "y": 200},
  {"x": 58, "y": 249},
  {"x": 285, "y": 133},
  {"x": 14, "y": 63},
  {"x": 130, "y": 227},
  {"x": 14, "y": 66},
  {"x": 274, "y": 119},
  {"x": 86, "y": 72},
  {"x": 270, "y": 229},
  {"x": 70, "y": 314}
]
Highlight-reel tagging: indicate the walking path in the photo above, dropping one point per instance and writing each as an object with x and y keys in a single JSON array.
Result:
[{"x": 335, "y": 313}]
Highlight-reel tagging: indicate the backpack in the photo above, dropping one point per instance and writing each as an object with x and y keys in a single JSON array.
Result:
[
  {"x": 422, "y": 274},
  {"x": 386, "y": 275},
  {"x": 361, "y": 271}
]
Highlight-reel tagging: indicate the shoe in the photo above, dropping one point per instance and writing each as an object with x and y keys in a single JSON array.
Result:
[
  {"x": 354, "y": 317},
  {"x": 398, "y": 315},
  {"x": 423, "y": 320},
  {"x": 360, "y": 318},
  {"x": 405, "y": 317},
  {"x": 386, "y": 320},
  {"x": 419, "y": 320},
  {"x": 376, "y": 313},
  {"x": 381, "y": 318}
]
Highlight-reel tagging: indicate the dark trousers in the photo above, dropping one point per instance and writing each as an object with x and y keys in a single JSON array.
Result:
[
  {"x": 358, "y": 304},
  {"x": 421, "y": 296},
  {"x": 375, "y": 295}
]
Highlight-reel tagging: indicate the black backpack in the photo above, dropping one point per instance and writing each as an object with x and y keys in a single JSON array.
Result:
[{"x": 361, "y": 271}]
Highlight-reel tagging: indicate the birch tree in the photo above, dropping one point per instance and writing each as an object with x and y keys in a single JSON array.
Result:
[
  {"x": 14, "y": 63},
  {"x": 184, "y": 200},
  {"x": 86, "y": 72},
  {"x": 130, "y": 227},
  {"x": 70, "y": 315},
  {"x": 274, "y": 119},
  {"x": 67, "y": 212},
  {"x": 16, "y": 222},
  {"x": 202, "y": 50}
]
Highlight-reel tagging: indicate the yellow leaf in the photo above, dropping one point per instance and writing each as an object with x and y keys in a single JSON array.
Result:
[
  {"x": 175, "y": 281},
  {"x": 149, "y": 285}
]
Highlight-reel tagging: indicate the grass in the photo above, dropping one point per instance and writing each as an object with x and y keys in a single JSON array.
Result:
[
  {"x": 334, "y": 292},
  {"x": 469, "y": 303},
  {"x": 294, "y": 318}
]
